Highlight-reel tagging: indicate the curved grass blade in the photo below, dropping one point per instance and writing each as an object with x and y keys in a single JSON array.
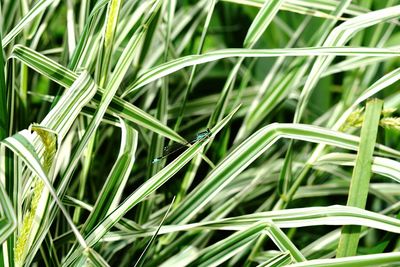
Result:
[
  {"x": 59, "y": 120},
  {"x": 35, "y": 11},
  {"x": 21, "y": 145},
  {"x": 307, "y": 7},
  {"x": 282, "y": 259},
  {"x": 115, "y": 80},
  {"x": 379, "y": 259},
  {"x": 249, "y": 151},
  {"x": 111, "y": 192},
  {"x": 8, "y": 219},
  {"x": 382, "y": 166},
  {"x": 180, "y": 63},
  {"x": 82, "y": 43},
  {"x": 96, "y": 259},
  {"x": 183, "y": 258},
  {"x": 228, "y": 247},
  {"x": 338, "y": 37},
  {"x": 144, "y": 190},
  {"x": 375, "y": 88},
  {"x": 261, "y": 22},
  {"x": 118, "y": 106},
  {"x": 289, "y": 218}
]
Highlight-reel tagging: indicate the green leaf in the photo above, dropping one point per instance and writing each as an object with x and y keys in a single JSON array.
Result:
[
  {"x": 65, "y": 78},
  {"x": 4, "y": 116},
  {"x": 225, "y": 249},
  {"x": 36, "y": 10},
  {"x": 146, "y": 189},
  {"x": 261, "y": 22},
  {"x": 368, "y": 260},
  {"x": 175, "y": 65},
  {"x": 359, "y": 185},
  {"x": 338, "y": 37},
  {"x": 282, "y": 259},
  {"x": 248, "y": 151}
]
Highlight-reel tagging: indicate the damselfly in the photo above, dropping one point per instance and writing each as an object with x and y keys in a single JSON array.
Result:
[{"x": 168, "y": 150}]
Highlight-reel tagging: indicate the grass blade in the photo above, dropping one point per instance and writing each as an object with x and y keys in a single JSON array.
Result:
[{"x": 361, "y": 175}]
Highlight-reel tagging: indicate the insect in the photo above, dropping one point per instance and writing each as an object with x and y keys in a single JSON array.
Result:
[{"x": 168, "y": 150}]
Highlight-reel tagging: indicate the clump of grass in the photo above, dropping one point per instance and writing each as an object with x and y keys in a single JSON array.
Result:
[{"x": 291, "y": 160}]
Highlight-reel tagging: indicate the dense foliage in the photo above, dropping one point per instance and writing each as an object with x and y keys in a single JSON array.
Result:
[{"x": 199, "y": 133}]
